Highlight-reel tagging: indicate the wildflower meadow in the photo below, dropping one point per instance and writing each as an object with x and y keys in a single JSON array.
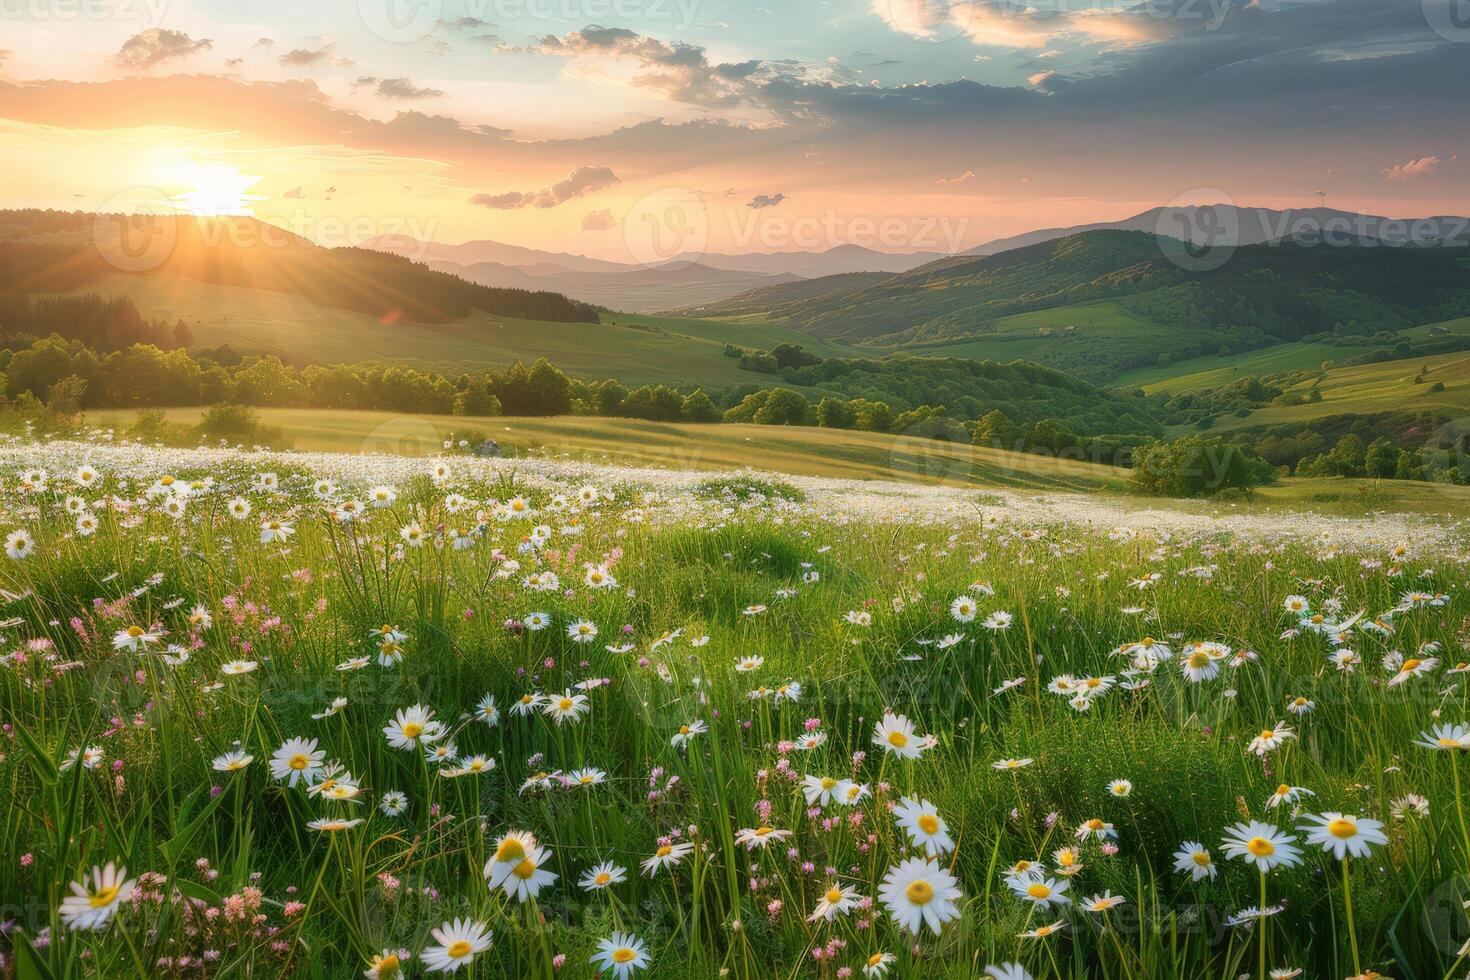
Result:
[{"x": 268, "y": 715}]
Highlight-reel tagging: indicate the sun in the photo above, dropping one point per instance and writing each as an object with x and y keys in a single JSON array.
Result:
[{"x": 211, "y": 189}]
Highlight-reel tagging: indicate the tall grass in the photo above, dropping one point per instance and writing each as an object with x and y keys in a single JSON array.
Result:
[{"x": 232, "y": 880}]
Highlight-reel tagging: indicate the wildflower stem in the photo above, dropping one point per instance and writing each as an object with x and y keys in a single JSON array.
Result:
[{"x": 1347, "y": 902}]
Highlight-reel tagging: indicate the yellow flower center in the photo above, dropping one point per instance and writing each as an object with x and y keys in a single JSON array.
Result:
[
  {"x": 299, "y": 762},
  {"x": 412, "y": 730},
  {"x": 103, "y": 897},
  {"x": 510, "y": 849},
  {"x": 897, "y": 739},
  {"x": 834, "y": 895},
  {"x": 1267, "y": 733},
  {"x": 135, "y": 631},
  {"x": 387, "y": 964},
  {"x": 525, "y": 869},
  {"x": 828, "y": 782},
  {"x": 1342, "y": 829},
  {"x": 683, "y": 729},
  {"x": 1201, "y": 858},
  {"x": 602, "y": 878},
  {"x": 1148, "y": 641},
  {"x": 928, "y": 823},
  {"x": 920, "y": 892},
  {"x": 1283, "y": 790},
  {"x": 875, "y": 959},
  {"x": 1039, "y": 891},
  {"x": 459, "y": 950},
  {"x": 664, "y": 851},
  {"x": 565, "y": 704},
  {"x": 762, "y": 831},
  {"x": 1260, "y": 847},
  {"x": 1411, "y": 664},
  {"x": 1198, "y": 660},
  {"x": 624, "y": 955}
]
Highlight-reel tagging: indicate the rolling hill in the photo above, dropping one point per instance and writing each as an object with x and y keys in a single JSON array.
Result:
[
  {"x": 51, "y": 251},
  {"x": 1105, "y": 302}
]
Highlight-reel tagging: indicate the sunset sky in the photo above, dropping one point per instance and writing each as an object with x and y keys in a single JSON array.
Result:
[{"x": 610, "y": 127}]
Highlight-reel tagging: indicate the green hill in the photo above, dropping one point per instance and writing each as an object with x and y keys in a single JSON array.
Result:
[
  {"x": 1101, "y": 303},
  {"x": 54, "y": 251}
]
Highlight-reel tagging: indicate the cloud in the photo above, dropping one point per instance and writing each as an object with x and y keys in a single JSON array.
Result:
[
  {"x": 398, "y": 88},
  {"x": 1422, "y": 167},
  {"x": 1017, "y": 24},
  {"x": 1040, "y": 78},
  {"x": 301, "y": 56},
  {"x": 765, "y": 201},
  {"x": 967, "y": 175},
  {"x": 465, "y": 24},
  {"x": 293, "y": 193},
  {"x": 580, "y": 182},
  {"x": 599, "y": 221},
  {"x": 682, "y": 72},
  {"x": 144, "y": 50}
]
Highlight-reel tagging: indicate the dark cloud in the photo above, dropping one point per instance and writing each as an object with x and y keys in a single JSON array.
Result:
[
  {"x": 599, "y": 221},
  {"x": 580, "y": 182},
  {"x": 155, "y": 45},
  {"x": 765, "y": 201},
  {"x": 402, "y": 88},
  {"x": 298, "y": 57},
  {"x": 465, "y": 24}
]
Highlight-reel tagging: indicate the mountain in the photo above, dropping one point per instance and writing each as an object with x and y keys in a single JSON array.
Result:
[
  {"x": 1234, "y": 225},
  {"x": 1102, "y": 302},
  {"x": 686, "y": 280},
  {"x": 838, "y": 260},
  {"x": 53, "y": 251},
  {"x": 497, "y": 253},
  {"x": 636, "y": 290}
]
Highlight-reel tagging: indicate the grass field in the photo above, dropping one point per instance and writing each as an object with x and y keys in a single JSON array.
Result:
[
  {"x": 1199, "y": 373},
  {"x": 503, "y": 723},
  {"x": 629, "y": 442},
  {"x": 1384, "y": 387},
  {"x": 811, "y": 452},
  {"x": 633, "y": 349}
]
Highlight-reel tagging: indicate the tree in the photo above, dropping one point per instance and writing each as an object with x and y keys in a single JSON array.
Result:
[
  {"x": 607, "y": 397},
  {"x": 1347, "y": 457},
  {"x": 478, "y": 398},
  {"x": 1382, "y": 459},
  {"x": 551, "y": 390},
  {"x": 871, "y": 416},
  {"x": 699, "y": 408},
  {"x": 1196, "y": 467},
  {"x": 183, "y": 336},
  {"x": 784, "y": 407},
  {"x": 996, "y": 429},
  {"x": 793, "y": 356},
  {"x": 834, "y": 413},
  {"x": 65, "y": 396}
]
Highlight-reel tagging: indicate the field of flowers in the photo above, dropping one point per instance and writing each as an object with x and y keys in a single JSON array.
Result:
[{"x": 307, "y": 716}]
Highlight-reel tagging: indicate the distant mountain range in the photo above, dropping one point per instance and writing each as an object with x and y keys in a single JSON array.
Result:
[
  {"x": 690, "y": 279},
  {"x": 1228, "y": 224}
]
